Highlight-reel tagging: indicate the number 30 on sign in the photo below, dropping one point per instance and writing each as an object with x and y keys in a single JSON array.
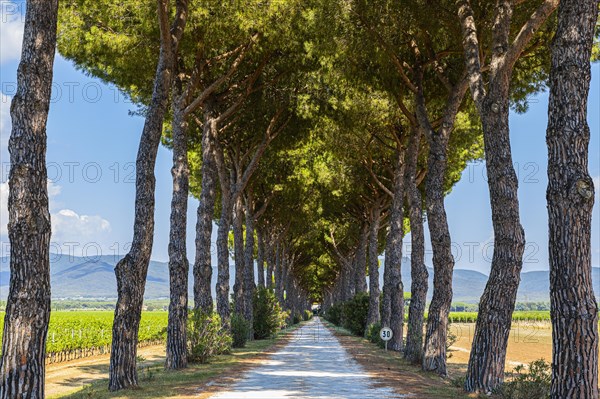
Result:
[{"x": 386, "y": 333}]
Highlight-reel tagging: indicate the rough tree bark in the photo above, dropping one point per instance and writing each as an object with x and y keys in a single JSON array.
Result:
[
  {"x": 206, "y": 207},
  {"x": 249, "y": 285},
  {"x": 570, "y": 197},
  {"x": 178, "y": 262},
  {"x": 278, "y": 272},
  {"x": 28, "y": 307},
  {"x": 238, "y": 250},
  {"x": 260, "y": 258},
  {"x": 488, "y": 352},
  {"x": 131, "y": 271},
  {"x": 222, "y": 287},
  {"x": 434, "y": 353},
  {"x": 413, "y": 351},
  {"x": 373, "y": 315},
  {"x": 393, "y": 290},
  {"x": 360, "y": 260},
  {"x": 270, "y": 255}
]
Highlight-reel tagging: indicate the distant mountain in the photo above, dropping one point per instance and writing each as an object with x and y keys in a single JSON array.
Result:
[
  {"x": 468, "y": 285},
  {"x": 77, "y": 277},
  {"x": 86, "y": 278}
]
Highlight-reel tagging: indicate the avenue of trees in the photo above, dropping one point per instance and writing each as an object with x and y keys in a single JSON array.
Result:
[{"x": 316, "y": 134}]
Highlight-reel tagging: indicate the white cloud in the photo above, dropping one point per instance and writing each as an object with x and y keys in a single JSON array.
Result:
[
  {"x": 68, "y": 225},
  {"x": 5, "y": 126},
  {"x": 3, "y": 208},
  {"x": 53, "y": 191},
  {"x": 11, "y": 30}
]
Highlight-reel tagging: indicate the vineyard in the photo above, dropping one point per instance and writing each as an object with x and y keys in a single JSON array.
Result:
[
  {"x": 73, "y": 335},
  {"x": 471, "y": 317}
]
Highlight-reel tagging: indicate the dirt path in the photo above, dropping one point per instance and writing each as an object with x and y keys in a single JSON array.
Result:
[
  {"x": 66, "y": 377},
  {"x": 312, "y": 365}
]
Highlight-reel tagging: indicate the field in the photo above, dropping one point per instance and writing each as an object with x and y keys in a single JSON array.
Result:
[
  {"x": 528, "y": 341},
  {"x": 84, "y": 330},
  {"x": 528, "y": 316},
  {"x": 77, "y": 330}
]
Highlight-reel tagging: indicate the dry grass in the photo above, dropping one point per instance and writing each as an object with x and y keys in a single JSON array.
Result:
[{"x": 528, "y": 341}]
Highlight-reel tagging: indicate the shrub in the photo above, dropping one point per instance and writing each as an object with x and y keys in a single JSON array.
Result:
[
  {"x": 334, "y": 314},
  {"x": 531, "y": 383},
  {"x": 240, "y": 330},
  {"x": 284, "y": 317},
  {"x": 354, "y": 314},
  {"x": 372, "y": 335},
  {"x": 308, "y": 315},
  {"x": 206, "y": 336},
  {"x": 297, "y": 318},
  {"x": 268, "y": 317},
  {"x": 451, "y": 339}
]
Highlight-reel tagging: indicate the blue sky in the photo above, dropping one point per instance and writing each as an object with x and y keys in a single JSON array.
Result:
[{"x": 92, "y": 145}]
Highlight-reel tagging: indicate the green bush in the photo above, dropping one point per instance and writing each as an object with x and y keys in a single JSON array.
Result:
[
  {"x": 334, "y": 314},
  {"x": 527, "y": 383},
  {"x": 206, "y": 336},
  {"x": 297, "y": 318},
  {"x": 268, "y": 317},
  {"x": 240, "y": 330},
  {"x": 308, "y": 315},
  {"x": 373, "y": 335},
  {"x": 354, "y": 314},
  {"x": 284, "y": 317}
]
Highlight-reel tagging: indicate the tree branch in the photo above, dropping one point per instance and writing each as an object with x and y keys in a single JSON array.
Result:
[
  {"x": 528, "y": 30},
  {"x": 471, "y": 48},
  {"x": 377, "y": 181},
  {"x": 199, "y": 100}
]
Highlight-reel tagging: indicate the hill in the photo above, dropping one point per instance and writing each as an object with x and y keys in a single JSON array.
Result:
[
  {"x": 468, "y": 285},
  {"x": 77, "y": 277},
  {"x": 86, "y": 278}
]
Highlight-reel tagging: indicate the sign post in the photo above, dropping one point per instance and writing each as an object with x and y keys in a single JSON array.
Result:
[{"x": 386, "y": 334}]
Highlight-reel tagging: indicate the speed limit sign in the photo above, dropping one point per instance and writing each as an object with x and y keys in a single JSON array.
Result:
[{"x": 386, "y": 334}]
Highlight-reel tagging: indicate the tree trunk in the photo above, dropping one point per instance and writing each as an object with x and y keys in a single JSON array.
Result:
[
  {"x": 284, "y": 263},
  {"x": 22, "y": 366},
  {"x": 222, "y": 288},
  {"x": 485, "y": 370},
  {"x": 131, "y": 271},
  {"x": 349, "y": 285},
  {"x": 270, "y": 253},
  {"x": 278, "y": 273},
  {"x": 393, "y": 290},
  {"x": 413, "y": 351},
  {"x": 434, "y": 356},
  {"x": 373, "y": 314},
  {"x": 360, "y": 260},
  {"x": 260, "y": 258},
  {"x": 238, "y": 250},
  {"x": 249, "y": 285},
  {"x": 570, "y": 196},
  {"x": 206, "y": 208},
  {"x": 488, "y": 353},
  {"x": 178, "y": 262}
]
